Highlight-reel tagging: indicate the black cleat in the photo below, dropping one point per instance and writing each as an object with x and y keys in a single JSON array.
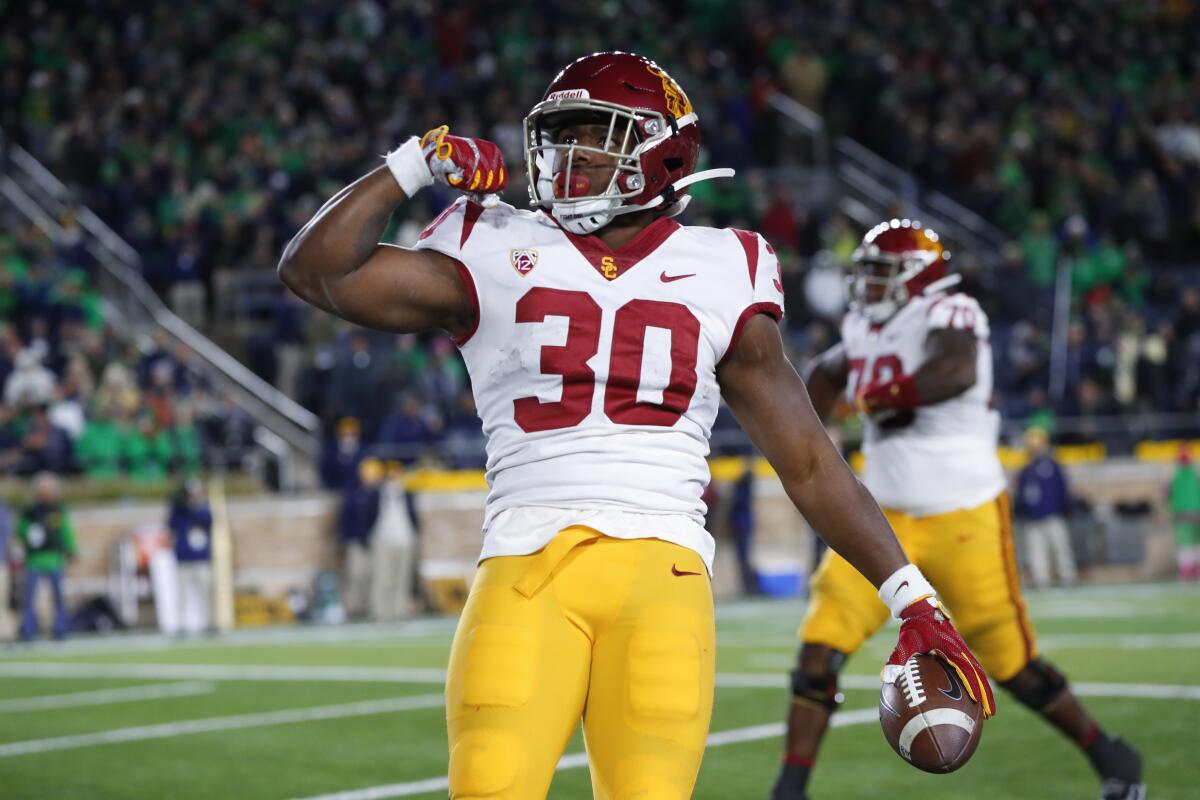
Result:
[
  {"x": 1117, "y": 789},
  {"x": 1120, "y": 768}
]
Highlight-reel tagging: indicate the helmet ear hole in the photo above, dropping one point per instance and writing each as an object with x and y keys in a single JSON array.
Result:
[{"x": 673, "y": 163}]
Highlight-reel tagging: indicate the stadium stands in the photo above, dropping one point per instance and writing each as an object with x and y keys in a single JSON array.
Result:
[
  {"x": 1080, "y": 140},
  {"x": 80, "y": 397}
]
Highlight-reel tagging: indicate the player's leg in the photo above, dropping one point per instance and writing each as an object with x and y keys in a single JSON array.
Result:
[
  {"x": 843, "y": 611},
  {"x": 650, "y": 697},
  {"x": 515, "y": 688},
  {"x": 815, "y": 696},
  {"x": 974, "y": 569},
  {"x": 1042, "y": 688}
]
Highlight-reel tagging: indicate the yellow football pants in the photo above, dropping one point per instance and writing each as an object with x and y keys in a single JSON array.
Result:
[
  {"x": 618, "y": 632},
  {"x": 968, "y": 557}
]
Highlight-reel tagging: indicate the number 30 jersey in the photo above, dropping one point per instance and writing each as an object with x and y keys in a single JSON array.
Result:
[
  {"x": 946, "y": 459},
  {"x": 594, "y": 370}
]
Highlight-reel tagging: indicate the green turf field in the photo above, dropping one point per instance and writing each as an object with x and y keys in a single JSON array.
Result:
[{"x": 306, "y": 712}]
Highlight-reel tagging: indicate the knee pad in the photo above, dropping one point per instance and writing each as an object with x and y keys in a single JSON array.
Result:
[
  {"x": 485, "y": 764},
  {"x": 815, "y": 679},
  {"x": 1037, "y": 685}
]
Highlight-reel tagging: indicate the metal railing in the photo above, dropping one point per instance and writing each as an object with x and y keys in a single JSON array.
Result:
[
  {"x": 868, "y": 187},
  {"x": 37, "y": 194}
]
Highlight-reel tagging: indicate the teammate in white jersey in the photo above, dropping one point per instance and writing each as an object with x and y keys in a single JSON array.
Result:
[
  {"x": 599, "y": 335},
  {"x": 917, "y": 361}
]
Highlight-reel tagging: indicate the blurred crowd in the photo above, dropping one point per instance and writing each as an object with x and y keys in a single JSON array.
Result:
[
  {"x": 206, "y": 134},
  {"x": 77, "y": 398},
  {"x": 1032, "y": 112}
]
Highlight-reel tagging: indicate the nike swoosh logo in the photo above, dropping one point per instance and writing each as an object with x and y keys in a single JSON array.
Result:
[
  {"x": 677, "y": 572},
  {"x": 956, "y": 695},
  {"x": 665, "y": 278},
  {"x": 898, "y": 588}
]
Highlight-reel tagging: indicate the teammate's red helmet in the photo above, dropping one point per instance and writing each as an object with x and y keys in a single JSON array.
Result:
[
  {"x": 903, "y": 258},
  {"x": 653, "y": 134}
]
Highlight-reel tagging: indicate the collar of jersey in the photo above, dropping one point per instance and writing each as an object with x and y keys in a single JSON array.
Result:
[{"x": 627, "y": 256}]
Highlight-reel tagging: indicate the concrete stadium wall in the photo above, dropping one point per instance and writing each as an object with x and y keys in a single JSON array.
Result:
[{"x": 281, "y": 542}]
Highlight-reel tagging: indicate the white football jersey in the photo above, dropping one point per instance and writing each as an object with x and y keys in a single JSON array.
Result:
[
  {"x": 594, "y": 370},
  {"x": 946, "y": 459}
]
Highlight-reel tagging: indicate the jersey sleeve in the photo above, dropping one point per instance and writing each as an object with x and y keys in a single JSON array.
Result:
[
  {"x": 958, "y": 312},
  {"x": 445, "y": 233},
  {"x": 765, "y": 294}
]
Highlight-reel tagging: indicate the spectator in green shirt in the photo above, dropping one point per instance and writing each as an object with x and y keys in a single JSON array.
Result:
[
  {"x": 45, "y": 531},
  {"x": 146, "y": 450},
  {"x": 99, "y": 448}
]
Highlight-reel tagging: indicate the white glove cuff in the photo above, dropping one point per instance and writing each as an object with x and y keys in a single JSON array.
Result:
[
  {"x": 904, "y": 587},
  {"x": 407, "y": 165}
]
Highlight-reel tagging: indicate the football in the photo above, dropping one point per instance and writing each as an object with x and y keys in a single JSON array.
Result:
[{"x": 928, "y": 717}]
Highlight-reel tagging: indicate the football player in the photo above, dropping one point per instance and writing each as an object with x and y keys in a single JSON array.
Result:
[
  {"x": 599, "y": 334},
  {"x": 915, "y": 359}
]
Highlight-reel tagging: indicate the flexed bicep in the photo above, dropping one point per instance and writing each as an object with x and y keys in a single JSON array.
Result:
[{"x": 403, "y": 291}]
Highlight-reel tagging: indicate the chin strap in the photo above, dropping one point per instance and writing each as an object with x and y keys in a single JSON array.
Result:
[
  {"x": 695, "y": 177},
  {"x": 942, "y": 284},
  {"x": 585, "y": 221}
]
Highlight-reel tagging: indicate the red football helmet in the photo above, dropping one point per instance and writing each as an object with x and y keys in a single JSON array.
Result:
[
  {"x": 897, "y": 261},
  {"x": 653, "y": 135}
]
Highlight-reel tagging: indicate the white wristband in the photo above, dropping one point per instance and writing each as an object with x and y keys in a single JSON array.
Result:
[
  {"x": 407, "y": 165},
  {"x": 903, "y": 588}
]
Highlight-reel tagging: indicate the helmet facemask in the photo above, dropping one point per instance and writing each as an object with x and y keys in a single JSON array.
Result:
[
  {"x": 556, "y": 183},
  {"x": 890, "y": 273}
]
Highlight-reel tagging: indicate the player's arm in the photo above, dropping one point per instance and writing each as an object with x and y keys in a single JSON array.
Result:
[
  {"x": 949, "y": 367},
  {"x": 826, "y": 379},
  {"x": 336, "y": 262},
  {"x": 947, "y": 372},
  {"x": 770, "y": 401}
]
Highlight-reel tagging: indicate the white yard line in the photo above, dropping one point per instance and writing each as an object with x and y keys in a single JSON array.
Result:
[
  {"x": 1149, "y": 691},
  {"x": 1141, "y": 691},
  {"x": 126, "y": 694},
  {"x": 1118, "y": 641},
  {"x": 1053, "y": 641},
  {"x": 279, "y": 672},
  {"x": 365, "y": 633},
  {"x": 211, "y": 724},
  {"x": 753, "y": 733},
  {"x": 223, "y": 672}
]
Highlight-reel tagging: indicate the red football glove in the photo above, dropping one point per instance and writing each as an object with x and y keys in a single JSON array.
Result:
[
  {"x": 900, "y": 394},
  {"x": 925, "y": 628},
  {"x": 473, "y": 165}
]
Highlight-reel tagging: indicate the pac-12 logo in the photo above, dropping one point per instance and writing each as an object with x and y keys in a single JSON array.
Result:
[{"x": 523, "y": 261}]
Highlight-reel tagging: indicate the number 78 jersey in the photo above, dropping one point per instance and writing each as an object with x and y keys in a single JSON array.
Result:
[
  {"x": 946, "y": 459},
  {"x": 594, "y": 371}
]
